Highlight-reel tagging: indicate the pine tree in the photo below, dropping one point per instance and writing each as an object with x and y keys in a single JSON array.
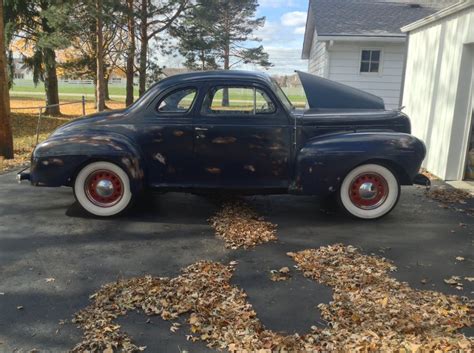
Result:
[
  {"x": 215, "y": 32},
  {"x": 42, "y": 24}
]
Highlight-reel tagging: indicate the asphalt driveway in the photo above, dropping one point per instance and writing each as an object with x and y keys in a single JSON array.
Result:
[{"x": 53, "y": 256}]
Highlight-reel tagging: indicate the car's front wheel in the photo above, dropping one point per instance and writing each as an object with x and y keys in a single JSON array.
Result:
[
  {"x": 369, "y": 191},
  {"x": 103, "y": 189}
]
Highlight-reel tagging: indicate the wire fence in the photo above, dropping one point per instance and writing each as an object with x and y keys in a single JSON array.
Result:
[{"x": 42, "y": 109}]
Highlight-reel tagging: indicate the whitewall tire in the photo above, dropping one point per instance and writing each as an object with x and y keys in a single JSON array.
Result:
[
  {"x": 103, "y": 189},
  {"x": 369, "y": 191}
]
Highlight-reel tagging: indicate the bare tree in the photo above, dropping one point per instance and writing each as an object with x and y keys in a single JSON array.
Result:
[
  {"x": 131, "y": 47},
  {"x": 6, "y": 139},
  {"x": 100, "y": 88},
  {"x": 153, "y": 20}
]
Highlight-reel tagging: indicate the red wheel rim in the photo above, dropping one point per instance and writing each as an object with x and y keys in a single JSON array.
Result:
[
  {"x": 104, "y": 188},
  {"x": 368, "y": 191}
]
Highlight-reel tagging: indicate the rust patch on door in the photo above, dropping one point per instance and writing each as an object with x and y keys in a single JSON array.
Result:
[
  {"x": 250, "y": 168},
  {"x": 214, "y": 170},
  {"x": 224, "y": 140}
]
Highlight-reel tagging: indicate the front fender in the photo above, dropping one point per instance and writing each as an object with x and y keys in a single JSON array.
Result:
[
  {"x": 323, "y": 162},
  {"x": 56, "y": 161}
]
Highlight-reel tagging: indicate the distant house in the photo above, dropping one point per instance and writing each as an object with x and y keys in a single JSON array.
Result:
[
  {"x": 171, "y": 71},
  {"x": 21, "y": 71},
  {"x": 359, "y": 42},
  {"x": 290, "y": 81},
  {"x": 438, "y": 92}
]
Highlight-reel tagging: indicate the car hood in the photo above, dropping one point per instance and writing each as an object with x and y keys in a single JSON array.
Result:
[
  {"x": 326, "y": 94},
  {"x": 88, "y": 120}
]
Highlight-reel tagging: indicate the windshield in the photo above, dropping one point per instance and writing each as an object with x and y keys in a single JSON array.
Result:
[{"x": 283, "y": 98}]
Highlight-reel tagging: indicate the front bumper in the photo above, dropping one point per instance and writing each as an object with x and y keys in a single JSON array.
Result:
[
  {"x": 23, "y": 175},
  {"x": 421, "y": 179}
]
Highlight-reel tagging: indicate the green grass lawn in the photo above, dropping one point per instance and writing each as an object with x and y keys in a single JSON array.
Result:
[
  {"x": 26, "y": 89},
  {"x": 79, "y": 89}
]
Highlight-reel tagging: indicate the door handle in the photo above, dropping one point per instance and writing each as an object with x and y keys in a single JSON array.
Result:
[{"x": 201, "y": 128}]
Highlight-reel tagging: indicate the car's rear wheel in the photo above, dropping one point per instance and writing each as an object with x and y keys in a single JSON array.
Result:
[
  {"x": 369, "y": 191},
  {"x": 103, "y": 189}
]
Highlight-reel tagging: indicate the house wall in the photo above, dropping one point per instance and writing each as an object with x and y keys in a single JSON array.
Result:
[
  {"x": 344, "y": 67},
  {"x": 318, "y": 58},
  {"x": 340, "y": 61},
  {"x": 438, "y": 90}
]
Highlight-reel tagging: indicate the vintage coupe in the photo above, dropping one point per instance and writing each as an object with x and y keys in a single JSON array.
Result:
[{"x": 235, "y": 130}]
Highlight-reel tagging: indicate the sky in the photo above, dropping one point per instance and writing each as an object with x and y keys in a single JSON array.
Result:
[{"x": 281, "y": 37}]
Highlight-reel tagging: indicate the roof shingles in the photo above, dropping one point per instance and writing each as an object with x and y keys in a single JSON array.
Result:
[{"x": 369, "y": 17}]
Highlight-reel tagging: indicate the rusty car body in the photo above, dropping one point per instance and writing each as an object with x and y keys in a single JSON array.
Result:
[{"x": 184, "y": 134}]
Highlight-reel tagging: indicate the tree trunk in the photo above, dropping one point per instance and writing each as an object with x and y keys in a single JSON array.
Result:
[
  {"x": 130, "y": 54},
  {"x": 6, "y": 139},
  {"x": 50, "y": 78},
  {"x": 95, "y": 92},
  {"x": 51, "y": 82},
  {"x": 143, "y": 47},
  {"x": 106, "y": 88},
  {"x": 225, "y": 91},
  {"x": 100, "y": 59}
]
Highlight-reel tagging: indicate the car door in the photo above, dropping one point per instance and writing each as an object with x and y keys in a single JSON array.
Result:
[
  {"x": 167, "y": 135},
  {"x": 242, "y": 138}
]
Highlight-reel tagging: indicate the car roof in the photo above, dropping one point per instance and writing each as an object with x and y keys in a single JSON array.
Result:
[{"x": 215, "y": 75}]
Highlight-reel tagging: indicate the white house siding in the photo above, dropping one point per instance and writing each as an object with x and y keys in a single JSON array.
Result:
[
  {"x": 344, "y": 67},
  {"x": 318, "y": 58},
  {"x": 438, "y": 90}
]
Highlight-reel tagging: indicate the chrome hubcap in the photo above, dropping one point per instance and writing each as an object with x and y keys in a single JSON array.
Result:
[
  {"x": 104, "y": 188},
  {"x": 367, "y": 191}
]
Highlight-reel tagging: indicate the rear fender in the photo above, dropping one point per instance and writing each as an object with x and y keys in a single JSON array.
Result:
[
  {"x": 56, "y": 161},
  {"x": 323, "y": 162}
]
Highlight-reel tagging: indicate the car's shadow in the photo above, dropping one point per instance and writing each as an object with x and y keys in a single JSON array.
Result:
[{"x": 176, "y": 208}]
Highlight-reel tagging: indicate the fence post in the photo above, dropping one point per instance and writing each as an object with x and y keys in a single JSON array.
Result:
[
  {"x": 83, "y": 105},
  {"x": 38, "y": 124}
]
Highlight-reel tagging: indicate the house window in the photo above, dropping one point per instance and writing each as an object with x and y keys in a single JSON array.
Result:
[{"x": 370, "y": 61}]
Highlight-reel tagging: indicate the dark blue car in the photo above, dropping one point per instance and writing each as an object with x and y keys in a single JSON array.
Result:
[{"x": 235, "y": 130}]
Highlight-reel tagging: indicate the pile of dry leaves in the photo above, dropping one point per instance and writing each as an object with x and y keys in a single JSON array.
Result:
[
  {"x": 370, "y": 310},
  {"x": 449, "y": 195},
  {"x": 240, "y": 226}
]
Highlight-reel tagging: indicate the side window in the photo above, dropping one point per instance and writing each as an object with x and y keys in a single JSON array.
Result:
[
  {"x": 179, "y": 101},
  {"x": 237, "y": 100}
]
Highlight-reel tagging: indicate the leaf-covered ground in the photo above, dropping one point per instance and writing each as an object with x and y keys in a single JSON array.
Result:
[
  {"x": 449, "y": 197},
  {"x": 24, "y": 123},
  {"x": 240, "y": 226},
  {"x": 370, "y": 310}
]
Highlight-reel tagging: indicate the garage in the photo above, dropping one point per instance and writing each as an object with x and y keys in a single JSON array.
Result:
[{"x": 438, "y": 89}]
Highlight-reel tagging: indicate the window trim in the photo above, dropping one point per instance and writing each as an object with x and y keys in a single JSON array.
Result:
[
  {"x": 254, "y": 87},
  {"x": 170, "y": 92},
  {"x": 379, "y": 72}
]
